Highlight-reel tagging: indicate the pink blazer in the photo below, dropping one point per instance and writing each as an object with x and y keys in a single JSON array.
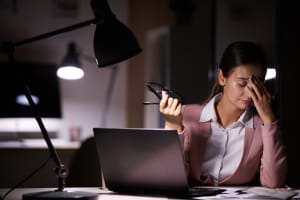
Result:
[{"x": 263, "y": 150}]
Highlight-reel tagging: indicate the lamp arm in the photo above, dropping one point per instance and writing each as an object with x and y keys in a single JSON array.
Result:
[
  {"x": 60, "y": 169},
  {"x": 58, "y": 31},
  {"x": 8, "y": 47},
  {"x": 109, "y": 92}
]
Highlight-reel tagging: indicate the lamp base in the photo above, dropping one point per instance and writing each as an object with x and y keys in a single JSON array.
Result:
[{"x": 64, "y": 195}]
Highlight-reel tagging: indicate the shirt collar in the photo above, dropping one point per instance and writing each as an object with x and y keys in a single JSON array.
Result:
[
  {"x": 209, "y": 113},
  {"x": 247, "y": 118}
]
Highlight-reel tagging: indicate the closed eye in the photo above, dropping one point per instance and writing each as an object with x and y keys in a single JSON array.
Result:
[{"x": 242, "y": 83}]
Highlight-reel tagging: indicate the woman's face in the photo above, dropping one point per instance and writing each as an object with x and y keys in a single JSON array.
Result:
[{"x": 235, "y": 91}]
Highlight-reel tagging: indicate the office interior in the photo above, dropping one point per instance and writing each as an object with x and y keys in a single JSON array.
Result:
[{"x": 181, "y": 48}]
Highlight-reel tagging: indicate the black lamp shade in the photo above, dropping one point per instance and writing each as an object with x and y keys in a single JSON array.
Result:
[{"x": 113, "y": 43}]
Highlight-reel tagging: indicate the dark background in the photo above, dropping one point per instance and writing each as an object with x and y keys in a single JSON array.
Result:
[
  {"x": 288, "y": 57},
  {"x": 40, "y": 78}
]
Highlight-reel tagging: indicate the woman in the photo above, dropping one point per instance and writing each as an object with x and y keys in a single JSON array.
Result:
[{"x": 235, "y": 135}]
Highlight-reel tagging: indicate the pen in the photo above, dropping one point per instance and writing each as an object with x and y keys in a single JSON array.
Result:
[
  {"x": 150, "y": 103},
  {"x": 240, "y": 192}
]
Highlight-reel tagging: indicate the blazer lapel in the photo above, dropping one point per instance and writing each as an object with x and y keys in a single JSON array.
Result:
[{"x": 249, "y": 138}]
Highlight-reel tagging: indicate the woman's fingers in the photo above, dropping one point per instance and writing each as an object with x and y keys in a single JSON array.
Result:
[
  {"x": 254, "y": 97},
  {"x": 261, "y": 85},
  {"x": 256, "y": 88},
  {"x": 173, "y": 106},
  {"x": 171, "y": 109},
  {"x": 178, "y": 110},
  {"x": 259, "y": 90},
  {"x": 169, "y": 105},
  {"x": 163, "y": 102},
  {"x": 262, "y": 100}
]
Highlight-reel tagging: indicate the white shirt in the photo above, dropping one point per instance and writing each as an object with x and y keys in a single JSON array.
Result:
[{"x": 226, "y": 145}]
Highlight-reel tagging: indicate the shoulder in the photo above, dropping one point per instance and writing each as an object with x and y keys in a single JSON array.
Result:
[
  {"x": 190, "y": 107},
  {"x": 192, "y": 111}
]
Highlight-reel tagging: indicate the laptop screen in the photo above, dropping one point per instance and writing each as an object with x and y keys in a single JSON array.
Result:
[{"x": 141, "y": 160}]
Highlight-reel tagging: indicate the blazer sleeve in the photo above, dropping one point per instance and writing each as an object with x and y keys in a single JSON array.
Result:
[
  {"x": 185, "y": 135},
  {"x": 194, "y": 139},
  {"x": 273, "y": 169}
]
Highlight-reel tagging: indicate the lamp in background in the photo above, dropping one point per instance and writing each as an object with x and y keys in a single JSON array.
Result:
[
  {"x": 271, "y": 73},
  {"x": 70, "y": 67},
  {"x": 113, "y": 43}
]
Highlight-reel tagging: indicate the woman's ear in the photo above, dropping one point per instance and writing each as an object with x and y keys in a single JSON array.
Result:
[{"x": 221, "y": 78}]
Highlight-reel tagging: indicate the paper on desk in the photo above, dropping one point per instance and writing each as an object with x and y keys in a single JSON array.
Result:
[
  {"x": 275, "y": 193},
  {"x": 230, "y": 193},
  {"x": 253, "y": 193}
]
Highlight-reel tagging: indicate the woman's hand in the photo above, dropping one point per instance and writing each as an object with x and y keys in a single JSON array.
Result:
[
  {"x": 171, "y": 109},
  {"x": 262, "y": 100}
]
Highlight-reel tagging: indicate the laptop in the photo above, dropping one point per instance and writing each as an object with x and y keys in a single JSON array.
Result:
[{"x": 144, "y": 161}]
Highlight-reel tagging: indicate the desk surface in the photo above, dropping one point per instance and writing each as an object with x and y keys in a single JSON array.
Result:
[{"x": 104, "y": 194}]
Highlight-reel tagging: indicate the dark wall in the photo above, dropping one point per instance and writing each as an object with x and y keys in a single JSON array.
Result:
[{"x": 288, "y": 19}]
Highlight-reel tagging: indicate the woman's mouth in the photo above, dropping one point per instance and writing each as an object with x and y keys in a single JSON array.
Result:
[{"x": 248, "y": 102}]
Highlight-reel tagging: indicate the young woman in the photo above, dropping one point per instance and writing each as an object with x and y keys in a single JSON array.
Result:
[{"x": 234, "y": 136}]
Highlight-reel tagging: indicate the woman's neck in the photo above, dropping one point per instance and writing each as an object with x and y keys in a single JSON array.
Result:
[{"x": 226, "y": 113}]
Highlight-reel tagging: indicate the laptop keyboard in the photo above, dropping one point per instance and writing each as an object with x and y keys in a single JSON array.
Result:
[{"x": 205, "y": 191}]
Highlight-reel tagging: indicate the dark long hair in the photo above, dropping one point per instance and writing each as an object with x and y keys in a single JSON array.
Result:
[{"x": 236, "y": 54}]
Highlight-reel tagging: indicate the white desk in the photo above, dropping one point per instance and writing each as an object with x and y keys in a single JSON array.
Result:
[{"x": 107, "y": 195}]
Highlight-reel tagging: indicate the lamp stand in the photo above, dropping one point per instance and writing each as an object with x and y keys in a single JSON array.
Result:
[
  {"x": 60, "y": 169},
  {"x": 64, "y": 195}
]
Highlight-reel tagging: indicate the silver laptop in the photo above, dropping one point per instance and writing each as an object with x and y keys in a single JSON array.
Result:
[{"x": 147, "y": 161}]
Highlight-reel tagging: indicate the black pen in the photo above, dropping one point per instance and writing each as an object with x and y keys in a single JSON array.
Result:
[
  {"x": 240, "y": 192},
  {"x": 150, "y": 103}
]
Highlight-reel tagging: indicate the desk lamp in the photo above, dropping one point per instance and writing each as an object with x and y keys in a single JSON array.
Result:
[
  {"x": 113, "y": 43},
  {"x": 70, "y": 68}
]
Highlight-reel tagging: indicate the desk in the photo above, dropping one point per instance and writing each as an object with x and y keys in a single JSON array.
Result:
[{"x": 107, "y": 195}]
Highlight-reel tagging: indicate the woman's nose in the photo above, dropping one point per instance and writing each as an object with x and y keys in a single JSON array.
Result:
[{"x": 248, "y": 92}]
